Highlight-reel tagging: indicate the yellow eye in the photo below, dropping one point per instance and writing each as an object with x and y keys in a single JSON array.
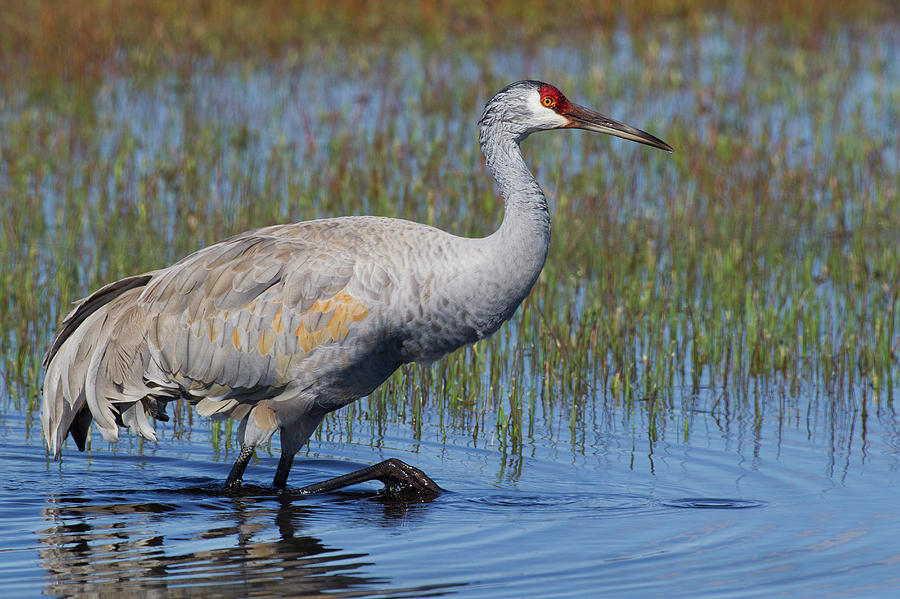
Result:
[{"x": 547, "y": 101}]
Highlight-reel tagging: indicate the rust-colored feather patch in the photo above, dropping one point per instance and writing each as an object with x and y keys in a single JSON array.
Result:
[
  {"x": 345, "y": 310},
  {"x": 264, "y": 418},
  {"x": 277, "y": 324},
  {"x": 266, "y": 342}
]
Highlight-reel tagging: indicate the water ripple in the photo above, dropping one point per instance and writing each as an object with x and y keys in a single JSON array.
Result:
[{"x": 712, "y": 503}]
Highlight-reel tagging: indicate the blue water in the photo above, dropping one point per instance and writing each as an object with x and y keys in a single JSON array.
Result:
[{"x": 790, "y": 506}]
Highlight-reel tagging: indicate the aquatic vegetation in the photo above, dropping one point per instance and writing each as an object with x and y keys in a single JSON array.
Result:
[{"x": 757, "y": 264}]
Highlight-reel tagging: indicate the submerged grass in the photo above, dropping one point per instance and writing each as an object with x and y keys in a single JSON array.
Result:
[{"x": 756, "y": 266}]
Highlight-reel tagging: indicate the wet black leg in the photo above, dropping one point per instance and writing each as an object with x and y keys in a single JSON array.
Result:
[
  {"x": 396, "y": 476},
  {"x": 237, "y": 471},
  {"x": 284, "y": 468}
]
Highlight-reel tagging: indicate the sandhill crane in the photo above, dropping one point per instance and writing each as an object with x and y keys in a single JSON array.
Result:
[{"x": 279, "y": 326}]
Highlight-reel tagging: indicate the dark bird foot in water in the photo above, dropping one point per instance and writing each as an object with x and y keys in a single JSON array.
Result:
[{"x": 398, "y": 477}]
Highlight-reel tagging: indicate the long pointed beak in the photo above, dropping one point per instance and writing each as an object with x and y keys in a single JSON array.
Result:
[{"x": 583, "y": 118}]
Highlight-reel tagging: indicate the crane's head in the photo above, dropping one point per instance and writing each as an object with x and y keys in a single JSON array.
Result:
[{"x": 528, "y": 106}]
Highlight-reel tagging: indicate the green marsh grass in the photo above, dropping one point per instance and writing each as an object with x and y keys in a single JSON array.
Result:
[{"x": 755, "y": 266}]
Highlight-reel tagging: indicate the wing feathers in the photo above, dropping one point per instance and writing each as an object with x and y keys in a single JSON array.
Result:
[{"x": 228, "y": 326}]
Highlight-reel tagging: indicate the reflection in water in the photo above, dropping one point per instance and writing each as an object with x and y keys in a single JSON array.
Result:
[{"x": 208, "y": 545}]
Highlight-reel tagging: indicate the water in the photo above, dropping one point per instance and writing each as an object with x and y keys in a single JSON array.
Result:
[{"x": 790, "y": 507}]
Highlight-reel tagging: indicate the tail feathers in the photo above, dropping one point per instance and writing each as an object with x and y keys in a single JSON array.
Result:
[
  {"x": 95, "y": 371},
  {"x": 80, "y": 426},
  {"x": 64, "y": 393},
  {"x": 87, "y": 306}
]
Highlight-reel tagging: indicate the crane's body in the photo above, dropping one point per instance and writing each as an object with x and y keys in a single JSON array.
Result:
[{"x": 279, "y": 326}]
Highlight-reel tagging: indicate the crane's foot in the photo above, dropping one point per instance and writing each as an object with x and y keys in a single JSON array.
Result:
[{"x": 397, "y": 476}]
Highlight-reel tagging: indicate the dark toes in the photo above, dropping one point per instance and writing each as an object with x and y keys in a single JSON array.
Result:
[{"x": 400, "y": 477}]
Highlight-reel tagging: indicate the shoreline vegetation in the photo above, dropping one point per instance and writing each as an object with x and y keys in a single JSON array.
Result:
[{"x": 756, "y": 269}]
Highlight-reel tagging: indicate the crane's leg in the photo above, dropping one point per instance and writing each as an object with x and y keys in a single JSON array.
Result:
[
  {"x": 395, "y": 474},
  {"x": 284, "y": 468},
  {"x": 256, "y": 427},
  {"x": 237, "y": 471}
]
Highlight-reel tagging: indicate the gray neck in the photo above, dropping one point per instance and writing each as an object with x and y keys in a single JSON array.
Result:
[
  {"x": 518, "y": 249},
  {"x": 485, "y": 279},
  {"x": 526, "y": 217}
]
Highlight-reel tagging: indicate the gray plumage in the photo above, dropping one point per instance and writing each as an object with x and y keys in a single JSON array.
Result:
[{"x": 277, "y": 327}]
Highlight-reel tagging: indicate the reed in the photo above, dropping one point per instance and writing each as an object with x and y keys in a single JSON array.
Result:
[{"x": 758, "y": 263}]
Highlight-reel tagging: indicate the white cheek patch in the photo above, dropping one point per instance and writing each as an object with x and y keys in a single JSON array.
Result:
[{"x": 544, "y": 115}]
